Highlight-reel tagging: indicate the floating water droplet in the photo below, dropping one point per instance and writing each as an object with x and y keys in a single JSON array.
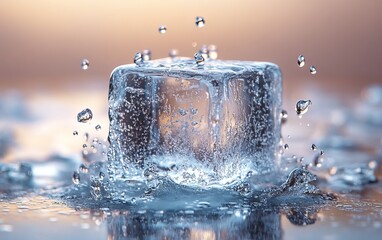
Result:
[
  {"x": 98, "y": 127},
  {"x": 286, "y": 146},
  {"x": 146, "y": 55},
  {"x": 182, "y": 112},
  {"x": 302, "y": 106},
  {"x": 162, "y": 29},
  {"x": 75, "y": 133},
  {"x": 76, "y": 177},
  {"x": 199, "y": 58},
  {"x": 313, "y": 147},
  {"x": 86, "y": 136},
  {"x": 85, "y": 64},
  {"x": 317, "y": 161},
  {"x": 83, "y": 168},
  {"x": 85, "y": 115},
  {"x": 212, "y": 52},
  {"x": 138, "y": 59},
  {"x": 301, "y": 61},
  {"x": 204, "y": 51},
  {"x": 313, "y": 70},
  {"x": 284, "y": 116},
  {"x": 200, "y": 22},
  {"x": 84, "y": 146},
  {"x": 173, "y": 53}
]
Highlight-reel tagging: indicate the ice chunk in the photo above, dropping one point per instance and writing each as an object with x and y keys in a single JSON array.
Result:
[{"x": 225, "y": 116}]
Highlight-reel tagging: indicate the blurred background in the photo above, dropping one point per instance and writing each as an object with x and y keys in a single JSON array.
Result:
[{"x": 42, "y": 45}]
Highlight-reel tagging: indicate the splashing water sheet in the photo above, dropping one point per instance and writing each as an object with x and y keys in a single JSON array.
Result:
[{"x": 197, "y": 148}]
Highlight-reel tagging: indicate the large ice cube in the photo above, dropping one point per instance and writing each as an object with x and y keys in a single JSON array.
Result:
[{"x": 224, "y": 116}]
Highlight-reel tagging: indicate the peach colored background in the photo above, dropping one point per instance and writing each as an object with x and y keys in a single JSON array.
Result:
[{"x": 43, "y": 42}]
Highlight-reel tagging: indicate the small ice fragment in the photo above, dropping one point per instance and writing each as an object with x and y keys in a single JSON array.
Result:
[{"x": 85, "y": 115}]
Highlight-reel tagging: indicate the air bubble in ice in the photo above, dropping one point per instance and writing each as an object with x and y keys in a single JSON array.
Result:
[
  {"x": 76, "y": 177},
  {"x": 85, "y": 64},
  {"x": 313, "y": 70},
  {"x": 162, "y": 29},
  {"x": 146, "y": 55},
  {"x": 85, "y": 115},
  {"x": 302, "y": 106},
  {"x": 200, "y": 22},
  {"x": 98, "y": 127},
  {"x": 199, "y": 58},
  {"x": 301, "y": 61},
  {"x": 138, "y": 59}
]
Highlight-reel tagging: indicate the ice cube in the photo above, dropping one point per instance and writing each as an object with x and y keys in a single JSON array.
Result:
[{"x": 225, "y": 115}]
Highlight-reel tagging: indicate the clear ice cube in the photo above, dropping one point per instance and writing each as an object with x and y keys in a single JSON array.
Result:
[{"x": 221, "y": 119}]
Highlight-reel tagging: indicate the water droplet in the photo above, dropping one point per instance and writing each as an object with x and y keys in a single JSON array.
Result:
[
  {"x": 284, "y": 116},
  {"x": 98, "y": 127},
  {"x": 313, "y": 70},
  {"x": 204, "y": 51},
  {"x": 76, "y": 177},
  {"x": 199, "y": 58},
  {"x": 317, "y": 161},
  {"x": 200, "y": 22},
  {"x": 372, "y": 164},
  {"x": 85, "y": 64},
  {"x": 84, "y": 146},
  {"x": 95, "y": 190},
  {"x": 75, "y": 133},
  {"x": 85, "y": 115},
  {"x": 162, "y": 29},
  {"x": 173, "y": 53},
  {"x": 101, "y": 175},
  {"x": 83, "y": 168},
  {"x": 212, "y": 52},
  {"x": 138, "y": 59},
  {"x": 313, "y": 147},
  {"x": 86, "y": 136},
  {"x": 146, "y": 55},
  {"x": 322, "y": 152},
  {"x": 193, "y": 110},
  {"x": 302, "y": 106},
  {"x": 182, "y": 112},
  {"x": 301, "y": 61},
  {"x": 286, "y": 146}
]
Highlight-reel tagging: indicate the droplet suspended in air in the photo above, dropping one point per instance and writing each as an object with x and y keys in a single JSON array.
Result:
[
  {"x": 146, "y": 55},
  {"x": 204, "y": 51},
  {"x": 85, "y": 64},
  {"x": 76, "y": 177},
  {"x": 138, "y": 58},
  {"x": 212, "y": 52},
  {"x": 301, "y": 61},
  {"x": 98, "y": 127},
  {"x": 302, "y": 106},
  {"x": 173, "y": 53},
  {"x": 199, "y": 58},
  {"x": 75, "y": 133},
  {"x": 313, "y": 70},
  {"x": 313, "y": 147},
  {"x": 162, "y": 29},
  {"x": 286, "y": 146},
  {"x": 84, "y": 146},
  {"x": 200, "y": 22},
  {"x": 85, "y": 115},
  {"x": 284, "y": 116}
]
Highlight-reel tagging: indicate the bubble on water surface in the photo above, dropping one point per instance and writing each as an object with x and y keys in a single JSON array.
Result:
[
  {"x": 301, "y": 61},
  {"x": 85, "y": 115},
  {"x": 200, "y": 22}
]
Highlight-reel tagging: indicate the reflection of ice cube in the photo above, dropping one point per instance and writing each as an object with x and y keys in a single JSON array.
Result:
[{"x": 222, "y": 113}]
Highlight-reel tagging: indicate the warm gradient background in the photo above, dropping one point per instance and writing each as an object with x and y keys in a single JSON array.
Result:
[{"x": 42, "y": 42}]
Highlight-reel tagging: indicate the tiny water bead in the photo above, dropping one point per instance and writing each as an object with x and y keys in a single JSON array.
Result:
[
  {"x": 75, "y": 133},
  {"x": 138, "y": 58},
  {"x": 84, "y": 146},
  {"x": 85, "y": 64},
  {"x": 101, "y": 175},
  {"x": 146, "y": 55},
  {"x": 98, "y": 127},
  {"x": 173, "y": 53},
  {"x": 286, "y": 146},
  {"x": 76, "y": 177},
  {"x": 200, "y": 22},
  {"x": 85, "y": 116},
  {"x": 313, "y": 147},
  {"x": 302, "y": 106},
  {"x": 301, "y": 61},
  {"x": 313, "y": 70},
  {"x": 204, "y": 51},
  {"x": 199, "y": 58},
  {"x": 162, "y": 29},
  {"x": 284, "y": 116}
]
